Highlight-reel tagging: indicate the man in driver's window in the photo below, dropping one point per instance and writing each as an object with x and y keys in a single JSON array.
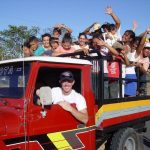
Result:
[{"x": 65, "y": 96}]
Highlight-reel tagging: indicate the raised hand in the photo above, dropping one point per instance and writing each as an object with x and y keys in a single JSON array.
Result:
[
  {"x": 58, "y": 26},
  {"x": 108, "y": 10},
  {"x": 135, "y": 25},
  {"x": 148, "y": 30}
]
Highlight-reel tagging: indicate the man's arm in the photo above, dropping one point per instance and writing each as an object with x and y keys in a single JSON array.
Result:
[{"x": 79, "y": 115}]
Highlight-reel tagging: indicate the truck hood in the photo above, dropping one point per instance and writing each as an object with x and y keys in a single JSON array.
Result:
[
  {"x": 2, "y": 125},
  {"x": 9, "y": 121}
]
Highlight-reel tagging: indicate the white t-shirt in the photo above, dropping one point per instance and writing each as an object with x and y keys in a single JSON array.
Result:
[
  {"x": 131, "y": 57},
  {"x": 73, "y": 97},
  {"x": 114, "y": 38}
]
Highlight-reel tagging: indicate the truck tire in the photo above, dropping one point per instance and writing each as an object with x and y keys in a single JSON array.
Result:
[{"x": 125, "y": 139}]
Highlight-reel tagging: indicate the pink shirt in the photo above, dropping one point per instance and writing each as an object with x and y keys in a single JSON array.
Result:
[{"x": 60, "y": 49}]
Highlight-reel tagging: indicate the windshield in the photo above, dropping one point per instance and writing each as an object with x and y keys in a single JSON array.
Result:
[{"x": 13, "y": 79}]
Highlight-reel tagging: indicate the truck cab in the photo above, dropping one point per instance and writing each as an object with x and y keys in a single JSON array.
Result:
[{"x": 23, "y": 125}]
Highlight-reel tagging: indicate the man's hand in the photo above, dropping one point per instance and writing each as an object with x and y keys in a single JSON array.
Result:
[{"x": 65, "y": 105}]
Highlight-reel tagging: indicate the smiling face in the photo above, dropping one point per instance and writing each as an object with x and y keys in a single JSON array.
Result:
[
  {"x": 82, "y": 40},
  {"x": 66, "y": 45},
  {"x": 126, "y": 37},
  {"x": 26, "y": 51},
  {"x": 46, "y": 41},
  {"x": 146, "y": 52},
  {"x": 67, "y": 86},
  {"x": 95, "y": 43},
  {"x": 135, "y": 44},
  {"x": 34, "y": 45}
]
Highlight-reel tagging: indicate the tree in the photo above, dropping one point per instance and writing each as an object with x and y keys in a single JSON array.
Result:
[{"x": 11, "y": 40}]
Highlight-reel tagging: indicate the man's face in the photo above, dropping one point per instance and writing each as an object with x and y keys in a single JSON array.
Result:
[{"x": 67, "y": 86}]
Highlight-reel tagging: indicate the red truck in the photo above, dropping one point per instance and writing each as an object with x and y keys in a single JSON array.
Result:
[{"x": 117, "y": 122}]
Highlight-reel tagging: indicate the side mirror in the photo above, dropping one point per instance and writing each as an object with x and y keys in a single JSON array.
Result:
[{"x": 45, "y": 95}]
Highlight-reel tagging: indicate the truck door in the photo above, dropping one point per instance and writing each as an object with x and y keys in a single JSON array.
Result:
[{"x": 63, "y": 126}]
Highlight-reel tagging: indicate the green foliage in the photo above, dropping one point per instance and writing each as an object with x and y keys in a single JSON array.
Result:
[{"x": 11, "y": 40}]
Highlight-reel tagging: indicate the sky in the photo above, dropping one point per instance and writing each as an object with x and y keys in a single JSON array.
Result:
[{"x": 76, "y": 14}]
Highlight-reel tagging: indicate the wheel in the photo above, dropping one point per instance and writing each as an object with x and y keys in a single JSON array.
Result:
[{"x": 125, "y": 139}]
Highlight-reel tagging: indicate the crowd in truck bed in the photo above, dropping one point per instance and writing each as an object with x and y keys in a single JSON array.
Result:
[{"x": 131, "y": 50}]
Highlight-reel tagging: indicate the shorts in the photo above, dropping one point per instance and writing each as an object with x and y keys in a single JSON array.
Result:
[{"x": 130, "y": 86}]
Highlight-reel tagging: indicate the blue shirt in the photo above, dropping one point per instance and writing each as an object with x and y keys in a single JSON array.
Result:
[{"x": 39, "y": 51}]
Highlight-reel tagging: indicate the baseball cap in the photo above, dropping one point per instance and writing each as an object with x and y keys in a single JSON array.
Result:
[
  {"x": 67, "y": 75},
  {"x": 118, "y": 45}
]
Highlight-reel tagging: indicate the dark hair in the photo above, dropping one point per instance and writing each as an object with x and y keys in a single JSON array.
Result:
[
  {"x": 131, "y": 33},
  {"x": 26, "y": 44},
  {"x": 54, "y": 39},
  {"x": 137, "y": 39},
  {"x": 57, "y": 30},
  {"x": 98, "y": 36},
  {"x": 112, "y": 27},
  {"x": 106, "y": 25},
  {"x": 32, "y": 38},
  {"x": 67, "y": 38},
  {"x": 46, "y": 34},
  {"x": 80, "y": 34}
]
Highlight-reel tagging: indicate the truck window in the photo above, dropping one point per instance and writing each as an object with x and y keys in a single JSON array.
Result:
[
  {"x": 13, "y": 79},
  {"x": 50, "y": 77}
]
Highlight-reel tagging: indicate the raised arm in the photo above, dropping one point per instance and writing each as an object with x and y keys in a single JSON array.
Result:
[
  {"x": 63, "y": 26},
  {"x": 135, "y": 25},
  {"x": 142, "y": 42},
  {"x": 87, "y": 30},
  {"x": 110, "y": 12},
  {"x": 111, "y": 49}
]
